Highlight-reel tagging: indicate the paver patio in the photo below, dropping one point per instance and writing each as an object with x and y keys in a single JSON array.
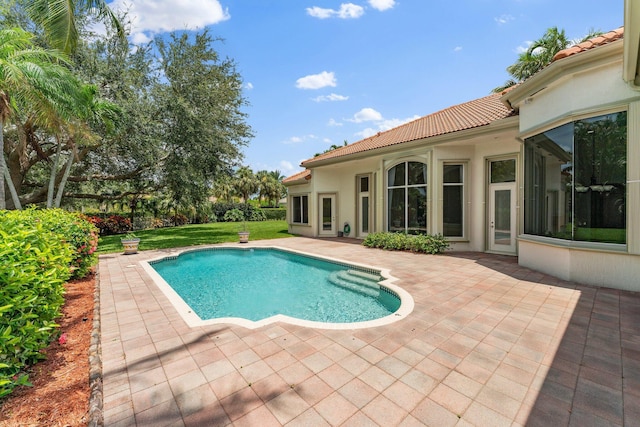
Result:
[{"x": 489, "y": 343}]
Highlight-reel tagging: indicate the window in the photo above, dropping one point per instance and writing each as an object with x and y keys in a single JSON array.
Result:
[
  {"x": 407, "y": 198},
  {"x": 575, "y": 180},
  {"x": 453, "y": 200},
  {"x": 300, "y": 209}
]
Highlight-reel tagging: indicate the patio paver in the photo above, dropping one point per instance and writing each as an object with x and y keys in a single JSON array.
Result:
[{"x": 489, "y": 343}]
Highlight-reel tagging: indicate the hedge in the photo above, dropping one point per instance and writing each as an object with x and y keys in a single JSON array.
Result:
[
  {"x": 425, "y": 243},
  {"x": 39, "y": 252}
]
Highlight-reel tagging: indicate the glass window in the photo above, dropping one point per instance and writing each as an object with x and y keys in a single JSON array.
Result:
[
  {"x": 575, "y": 180},
  {"x": 300, "y": 209},
  {"x": 453, "y": 201},
  {"x": 407, "y": 198},
  {"x": 503, "y": 171}
]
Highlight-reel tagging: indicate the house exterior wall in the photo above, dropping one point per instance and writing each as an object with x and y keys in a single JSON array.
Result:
[
  {"x": 473, "y": 152},
  {"x": 588, "y": 92}
]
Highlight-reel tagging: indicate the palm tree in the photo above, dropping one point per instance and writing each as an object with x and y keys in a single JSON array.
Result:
[
  {"x": 245, "y": 183},
  {"x": 59, "y": 19},
  {"x": 28, "y": 76},
  {"x": 539, "y": 55}
]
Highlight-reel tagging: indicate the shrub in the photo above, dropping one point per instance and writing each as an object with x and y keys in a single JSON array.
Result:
[
  {"x": 35, "y": 259},
  {"x": 275, "y": 214},
  {"x": 250, "y": 212},
  {"x": 425, "y": 243},
  {"x": 179, "y": 219},
  {"x": 233, "y": 215},
  {"x": 114, "y": 224}
]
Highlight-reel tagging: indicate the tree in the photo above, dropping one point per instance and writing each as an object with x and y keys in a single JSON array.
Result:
[
  {"x": 245, "y": 183},
  {"x": 33, "y": 78},
  {"x": 539, "y": 55},
  {"x": 270, "y": 186},
  {"x": 59, "y": 19},
  {"x": 199, "y": 112}
]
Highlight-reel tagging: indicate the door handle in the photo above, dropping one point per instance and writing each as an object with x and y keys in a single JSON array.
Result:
[{"x": 491, "y": 224}]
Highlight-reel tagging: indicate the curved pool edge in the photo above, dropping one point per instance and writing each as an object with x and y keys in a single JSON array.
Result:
[{"x": 193, "y": 320}]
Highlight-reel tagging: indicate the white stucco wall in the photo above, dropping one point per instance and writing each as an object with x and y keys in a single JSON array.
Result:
[
  {"x": 585, "y": 93},
  {"x": 591, "y": 267}
]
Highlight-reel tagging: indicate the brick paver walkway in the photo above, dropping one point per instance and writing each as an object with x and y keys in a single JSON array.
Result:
[{"x": 489, "y": 343}]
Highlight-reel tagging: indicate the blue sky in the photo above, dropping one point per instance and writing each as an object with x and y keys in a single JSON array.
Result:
[{"x": 317, "y": 73}]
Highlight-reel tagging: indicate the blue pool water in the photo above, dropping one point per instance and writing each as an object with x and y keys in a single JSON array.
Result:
[{"x": 260, "y": 283}]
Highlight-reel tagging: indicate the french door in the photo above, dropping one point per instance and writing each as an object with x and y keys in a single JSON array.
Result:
[{"x": 327, "y": 215}]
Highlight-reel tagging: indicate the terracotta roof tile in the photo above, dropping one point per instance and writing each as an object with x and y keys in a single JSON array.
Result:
[
  {"x": 303, "y": 175},
  {"x": 472, "y": 114},
  {"x": 600, "y": 40}
]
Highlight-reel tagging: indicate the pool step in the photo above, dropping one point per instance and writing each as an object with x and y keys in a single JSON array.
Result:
[
  {"x": 356, "y": 282},
  {"x": 372, "y": 277}
]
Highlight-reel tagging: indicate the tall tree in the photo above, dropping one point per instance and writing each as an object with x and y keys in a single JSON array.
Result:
[
  {"x": 33, "y": 78},
  {"x": 200, "y": 112},
  {"x": 245, "y": 183},
  {"x": 59, "y": 19},
  {"x": 540, "y": 54}
]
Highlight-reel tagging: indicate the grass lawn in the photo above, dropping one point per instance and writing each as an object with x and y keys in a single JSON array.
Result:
[{"x": 197, "y": 234}]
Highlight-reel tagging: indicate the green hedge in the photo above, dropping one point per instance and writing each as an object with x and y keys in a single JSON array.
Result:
[
  {"x": 39, "y": 252},
  {"x": 430, "y": 244},
  {"x": 275, "y": 214}
]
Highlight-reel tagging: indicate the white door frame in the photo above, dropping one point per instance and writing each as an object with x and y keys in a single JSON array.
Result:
[
  {"x": 360, "y": 233},
  {"x": 328, "y": 228},
  {"x": 505, "y": 243}
]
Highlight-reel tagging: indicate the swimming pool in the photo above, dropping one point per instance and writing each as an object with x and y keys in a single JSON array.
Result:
[{"x": 257, "y": 286}]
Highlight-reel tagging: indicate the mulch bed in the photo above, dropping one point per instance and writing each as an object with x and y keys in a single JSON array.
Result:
[{"x": 60, "y": 392}]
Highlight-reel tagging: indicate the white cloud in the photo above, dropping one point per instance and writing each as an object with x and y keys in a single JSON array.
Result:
[
  {"x": 286, "y": 167},
  {"x": 333, "y": 122},
  {"x": 317, "y": 81},
  {"x": 299, "y": 139},
  {"x": 503, "y": 19},
  {"x": 248, "y": 86},
  {"x": 366, "y": 115},
  {"x": 523, "y": 48},
  {"x": 366, "y": 133},
  {"x": 383, "y": 125},
  {"x": 332, "y": 97},
  {"x": 151, "y": 17},
  {"x": 346, "y": 11},
  {"x": 457, "y": 48},
  {"x": 326, "y": 140},
  {"x": 382, "y": 4}
]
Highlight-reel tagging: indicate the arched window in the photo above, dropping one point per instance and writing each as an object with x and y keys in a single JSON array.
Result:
[{"x": 407, "y": 198}]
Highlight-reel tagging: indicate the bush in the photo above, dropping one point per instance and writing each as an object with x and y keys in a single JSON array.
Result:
[
  {"x": 179, "y": 219},
  {"x": 275, "y": 214},
  {"x": 249, "y": 211},
  {"x": 36, "y": 253},
  {"x": 425, "y": 243},
  {"x": 113, "y": 224},
  {"x": 233, "y": 215}
]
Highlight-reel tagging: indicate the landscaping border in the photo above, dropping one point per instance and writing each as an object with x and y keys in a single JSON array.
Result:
[{"x": 96, "y": 418}]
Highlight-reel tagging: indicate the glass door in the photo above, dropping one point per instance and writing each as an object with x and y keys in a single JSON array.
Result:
[
  {"x": 364, "y": 205},
  {"x": 502, "y": 218},
  {"x": 327, "y": 215}
]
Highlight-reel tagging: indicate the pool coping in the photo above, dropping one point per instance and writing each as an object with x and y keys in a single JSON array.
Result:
[{"x": 407, "y": 303}]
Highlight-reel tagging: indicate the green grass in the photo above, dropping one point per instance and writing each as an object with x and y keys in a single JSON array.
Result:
[{"x": 198, "y": 234}]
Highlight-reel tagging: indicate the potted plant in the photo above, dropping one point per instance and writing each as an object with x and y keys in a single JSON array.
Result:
[
  {"x": 243, "y": 234},
  {"x": 130, "y": 242}
]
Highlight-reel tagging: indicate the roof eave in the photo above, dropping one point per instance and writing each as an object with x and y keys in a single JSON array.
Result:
[
  {"x": 631, "y": 67},
  {"x": 539, "y": 81},
  {"x": 496, "y": 125}
]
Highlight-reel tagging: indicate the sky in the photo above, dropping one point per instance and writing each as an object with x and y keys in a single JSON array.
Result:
[{"x": 321, "y": 72}]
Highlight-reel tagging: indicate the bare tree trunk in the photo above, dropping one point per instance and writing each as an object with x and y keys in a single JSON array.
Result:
[
  {"x": 5, "y": 177},
  {"x": 52, "y": 176},
  {"x": 63, "y": 182}
]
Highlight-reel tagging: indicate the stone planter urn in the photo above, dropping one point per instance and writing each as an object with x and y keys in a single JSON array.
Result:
[{"x": 130, "y": 243}]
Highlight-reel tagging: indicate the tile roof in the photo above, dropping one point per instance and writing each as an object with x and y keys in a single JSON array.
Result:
[
  {"x": 600, "y": 40},
  {"x": 304, "y": 175},
  {"x": 469, "y": 115}
]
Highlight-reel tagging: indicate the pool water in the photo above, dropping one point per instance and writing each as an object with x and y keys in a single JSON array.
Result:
[{"x": 255, "y": 284}]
